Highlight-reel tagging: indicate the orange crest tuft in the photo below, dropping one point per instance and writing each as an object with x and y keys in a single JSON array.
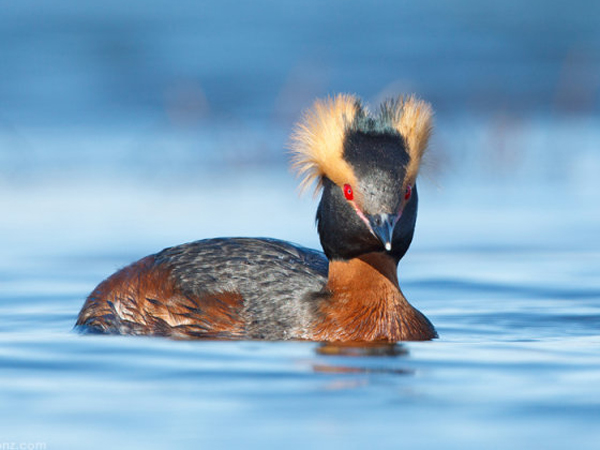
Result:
[
  {"x": 318, "y": 141},
  {"x": 412, "y": 118}
]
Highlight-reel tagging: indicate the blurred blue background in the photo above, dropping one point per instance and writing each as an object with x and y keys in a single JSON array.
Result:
[
  {"x": 164, "y": 89},
  {"x": 197, "y": 96},
  {"x": 126, "y": 127}
]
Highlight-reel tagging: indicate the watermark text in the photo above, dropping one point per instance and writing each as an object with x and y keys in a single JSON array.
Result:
[{"x": 23, "y": 446}]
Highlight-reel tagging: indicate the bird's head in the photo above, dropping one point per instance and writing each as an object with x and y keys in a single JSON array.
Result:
[{"x": 367, "y": 166}]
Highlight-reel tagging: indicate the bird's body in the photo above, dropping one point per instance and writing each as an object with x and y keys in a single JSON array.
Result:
[
  {"x": 247, "y": 288},
  {"x": 219, "y": 288}
]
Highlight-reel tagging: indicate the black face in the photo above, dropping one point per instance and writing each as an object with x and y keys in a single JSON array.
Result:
[{"x": 379, "y": 162}]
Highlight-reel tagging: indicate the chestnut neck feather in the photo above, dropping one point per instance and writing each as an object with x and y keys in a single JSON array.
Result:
[{"x": 366, "y": 304}]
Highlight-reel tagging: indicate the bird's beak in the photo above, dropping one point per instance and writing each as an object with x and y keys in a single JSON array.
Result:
[{"x": 382, "y": 226}]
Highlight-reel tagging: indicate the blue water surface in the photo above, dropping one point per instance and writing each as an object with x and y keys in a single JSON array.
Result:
[{"x": 517, "y": 364}]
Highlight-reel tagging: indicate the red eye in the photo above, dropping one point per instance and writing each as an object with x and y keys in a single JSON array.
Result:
[
  {"x": 348, "y": 192},
  {"x": 407, "y": 193}
]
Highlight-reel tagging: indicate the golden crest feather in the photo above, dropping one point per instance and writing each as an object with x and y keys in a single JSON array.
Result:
[
  {"x": 413, "y": 120},
  {"x": 318, "y": 140}
]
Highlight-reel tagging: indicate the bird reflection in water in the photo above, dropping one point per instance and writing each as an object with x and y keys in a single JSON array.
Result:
[{"x": 359, "y": 361}]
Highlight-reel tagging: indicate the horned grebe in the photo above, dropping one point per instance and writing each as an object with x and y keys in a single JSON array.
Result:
[{"x": 255, "y": 288}]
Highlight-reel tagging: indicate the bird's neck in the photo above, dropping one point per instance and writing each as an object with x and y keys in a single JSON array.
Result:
[{"x": 365, "y": 303}]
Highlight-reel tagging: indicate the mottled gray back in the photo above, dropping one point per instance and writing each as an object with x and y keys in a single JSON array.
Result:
[{"x": 276, "y": 279}]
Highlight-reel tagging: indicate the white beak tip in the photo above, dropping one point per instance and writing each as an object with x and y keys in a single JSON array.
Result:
[{"x": 388, "y": 246}]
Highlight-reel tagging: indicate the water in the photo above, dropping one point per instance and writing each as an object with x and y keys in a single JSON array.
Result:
[
  {"x": 103, "y": 160},
  {"x": 517, "y": 364}
]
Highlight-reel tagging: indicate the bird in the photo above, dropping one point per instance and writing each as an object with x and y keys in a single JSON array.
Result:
[{"x": 364, "y": 165}]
